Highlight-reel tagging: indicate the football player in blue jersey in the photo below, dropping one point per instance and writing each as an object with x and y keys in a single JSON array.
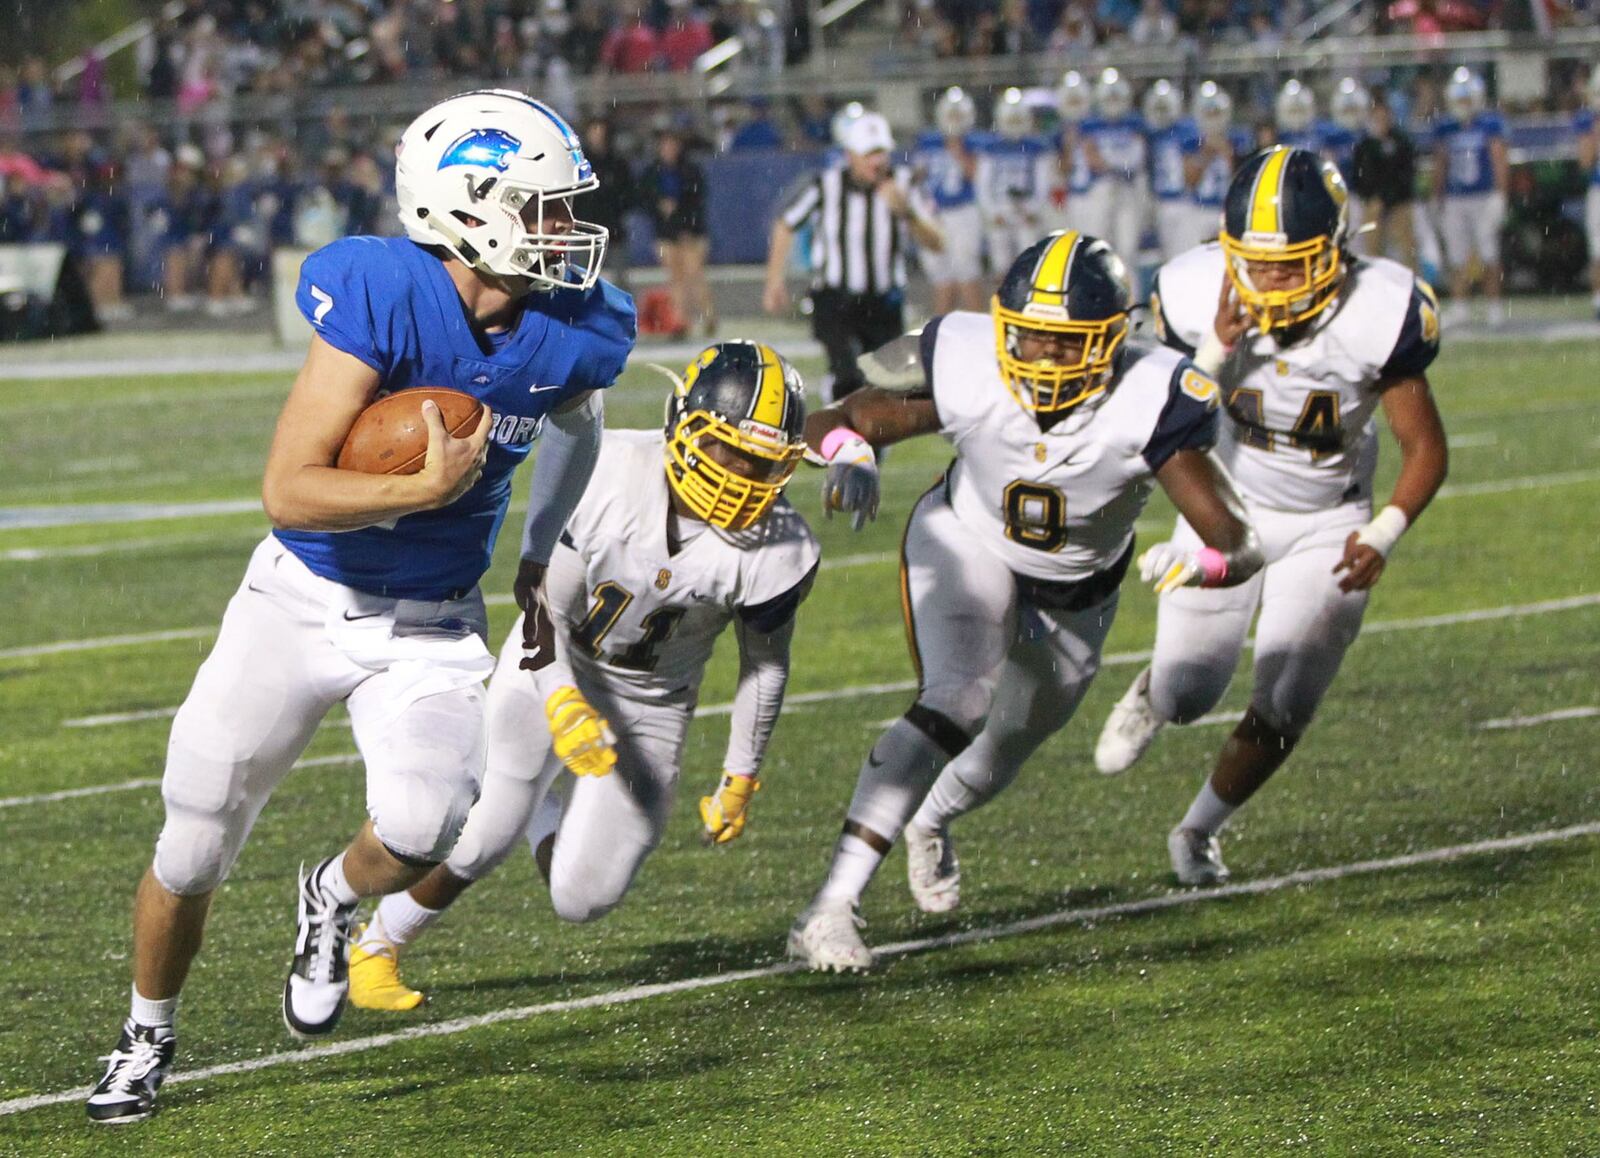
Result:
[
  {"x": 1175, "y": 145},
  {"x": 1474, "y": 172},
  {"x": 367, "y": 590},
  {"x": 946, "y": 162},
  {"x": 1586, "y": 124}
]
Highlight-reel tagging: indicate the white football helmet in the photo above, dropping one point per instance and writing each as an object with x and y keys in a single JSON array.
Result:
[
  {"x": 954, "y": 112},
  {"x": 1295, "y": 109},
  {"x": 477, "y": 174},
  {"x": 1163, "y": 104},
  {"x": 1013, "y": 119},
  {"x": 1351, "y": 104},
  {"x": 1113, "y": 96},
  {"x": 1073, "y": 98},
  {"x": 1465, "y": 95},
  {"x": 1213, "y": 108}
]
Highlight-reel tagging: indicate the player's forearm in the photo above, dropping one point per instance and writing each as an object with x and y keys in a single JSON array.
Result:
[
  {"x": 763, "y": 677},
  {"x": 1424, "y": 463},
  {"x": 567, "y": 453},
  {"x": 323, "y": 498}
]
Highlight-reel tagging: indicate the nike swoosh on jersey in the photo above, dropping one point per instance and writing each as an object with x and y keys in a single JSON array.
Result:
[
  {"x": 541, "y": 389},
  {"x": 348, "y": 618}
]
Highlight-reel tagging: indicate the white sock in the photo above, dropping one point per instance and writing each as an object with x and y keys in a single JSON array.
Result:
[
  {"x": 1209, "y": 812},
  {"x": 332, "y": 883},
  {"x": 148, "y": 1012},
  {"x": 854, "y": 863},
  {"x": 399, "y": 919}
]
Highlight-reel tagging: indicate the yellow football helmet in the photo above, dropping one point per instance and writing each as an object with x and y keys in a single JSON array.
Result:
[
  {"x": 735, "y": 432},
  {"x": 1285, "y": 207},
  {"x": 1068, "y": 284}
]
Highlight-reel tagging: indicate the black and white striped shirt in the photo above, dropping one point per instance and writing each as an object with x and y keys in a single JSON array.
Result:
[{"x": 857, "y": 245}]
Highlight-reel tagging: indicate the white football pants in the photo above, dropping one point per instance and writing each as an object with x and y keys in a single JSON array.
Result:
[
  {"x": 1306, "y": 623},
  {"x": 609, "y": 825},
  {"x": 291, "y": 646}
]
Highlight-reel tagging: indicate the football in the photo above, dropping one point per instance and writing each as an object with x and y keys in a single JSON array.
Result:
[{"x": 390, "y": 437}]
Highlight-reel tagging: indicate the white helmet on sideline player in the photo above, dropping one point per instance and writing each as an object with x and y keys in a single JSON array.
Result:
[
  {"x": 1013, "y": 119},
  {"x": 1295, "y": 108},
  {"x": 1073, "y": 99},
  {"x": 1351, "y": 104},
  {"x": 1465, "y": 95},
  {"x": 842, "y": 119},
  {"x": 954, "y": 112},
  {"x": 1213, "y": 108},
  {"x": 1113, "y": 96},
  {"x": 478, "y": 174},
  {"x": 1163, "y": 104}
]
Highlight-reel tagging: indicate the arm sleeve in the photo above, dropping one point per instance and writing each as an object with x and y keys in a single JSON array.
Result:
[
  {"x": 1418, "y": 343},
  {"x": 763, "y": 676},
  {"x": 1189, "y": 419},
  {"x": 568, "y": 451},
  {"x": 333, "y": 296},
  {"x": 769, "y": 615},
  {"x": 804, "y": 204}
]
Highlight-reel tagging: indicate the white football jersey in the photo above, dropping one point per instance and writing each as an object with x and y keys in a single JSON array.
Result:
[
  {"x": 1058, "y": 505},
  {"x": 1300, "y": 435},
  {"x": 643, "y": 619}
]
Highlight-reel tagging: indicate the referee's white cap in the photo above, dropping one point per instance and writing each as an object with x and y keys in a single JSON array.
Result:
[{"x": 867, "y": 133}]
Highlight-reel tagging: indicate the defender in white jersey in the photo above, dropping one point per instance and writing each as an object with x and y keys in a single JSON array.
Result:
[
  {"x": 1011, "y": 562},
  {"x": 1306, "y": 342},
  {"x": 681, "y": 535}
]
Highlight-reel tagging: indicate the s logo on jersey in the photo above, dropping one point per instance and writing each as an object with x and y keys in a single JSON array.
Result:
[{"x": 663, "y": 578}]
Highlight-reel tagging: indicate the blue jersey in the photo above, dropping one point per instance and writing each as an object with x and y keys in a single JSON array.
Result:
[
  {"x": 1015, "y": 162},
  {"x": 391, "y": 303},
  {"x": 1121, "y": 143},
  {"x": 942, "y": 175},
  {"x": 1169, "y": 149},
  {"x": 1339, "y": 146},
  {"x": 1583, "y": 123},
  {"x": 1211, "y": 187},
  {"x": 1468, "y": 167}
]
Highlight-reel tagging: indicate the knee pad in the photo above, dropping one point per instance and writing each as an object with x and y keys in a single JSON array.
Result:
[
  {"x": 419, "y": 814},
  {"x": 196, "y": 849},
  {"x": 582, "y": 901},
  {"x": 963, "y": 709},
  {"x": 1186, "y": 691}
]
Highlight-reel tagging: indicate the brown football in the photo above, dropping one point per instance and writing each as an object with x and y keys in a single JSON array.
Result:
[{"x": 390, "y": 437}]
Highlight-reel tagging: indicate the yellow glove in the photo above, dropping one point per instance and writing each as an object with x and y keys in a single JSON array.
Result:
[
  {"x": 723, "y": 813},
  {"x": 579, "y": 735}
]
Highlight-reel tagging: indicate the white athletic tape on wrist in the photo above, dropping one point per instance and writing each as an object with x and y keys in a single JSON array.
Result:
[
  {"x": 1384, "y": 531},
  {"x": 1211, "y": 354}
]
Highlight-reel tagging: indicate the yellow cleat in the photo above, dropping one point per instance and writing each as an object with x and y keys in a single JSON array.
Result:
[{"x": 375, "y": 977}]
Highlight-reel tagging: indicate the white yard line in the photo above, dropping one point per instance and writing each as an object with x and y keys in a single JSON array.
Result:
[
  {"x": 1468, "y": 441},
  {"x": 1542, "y": 718},
  {"x": 633, "y": 994},
  {"x": 89, "y": 550},
  {"x": 1114, "y": 659},
  {"x": 1531, "y": 482},
  {"x": 150, "y": 782},
  {"x": 106, "y": 641},
  {"x": 80, "y": 514}
]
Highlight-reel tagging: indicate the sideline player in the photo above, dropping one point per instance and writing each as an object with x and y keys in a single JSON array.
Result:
[
  {"x": 946, "y": 161},
  {"x": 1011, "y": 563},
  {"x": 1012, "y": 173},
  {"x": 1472, "y": 173},
  {"x": 1175, "y": 145},
  {"x": 1586, "y": 124},
  {"x": 1306, "y": 341},
  {"x": 682, "y": 535},
  {"x": 1115, "y": 143},
  {"x": 367, "y": 591}
]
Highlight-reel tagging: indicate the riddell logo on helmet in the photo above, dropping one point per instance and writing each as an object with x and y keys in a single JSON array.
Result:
[{"x": 762, "y": 430}]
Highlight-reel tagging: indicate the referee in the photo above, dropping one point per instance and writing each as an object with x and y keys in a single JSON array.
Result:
[{"x": 863, "y": 215}]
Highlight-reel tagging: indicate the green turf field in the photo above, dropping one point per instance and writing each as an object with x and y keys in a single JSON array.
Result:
[{"x": 1445, "y": 1005}]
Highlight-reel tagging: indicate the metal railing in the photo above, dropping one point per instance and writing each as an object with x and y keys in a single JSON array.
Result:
[
  {"x": 849, "y": 77},
  {"x": 125, "y": 38}
]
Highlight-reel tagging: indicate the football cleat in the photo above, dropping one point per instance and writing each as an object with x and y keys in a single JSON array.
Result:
[
  {"x": 1196, "y": 857},
  {"x": 375, "y": 976},
  {"x": 827, "y": 938},
  {"x": 319, "y": 977},
  {"x": 1130, "y": 729},
  {"x": 932, "y": 870},
  {"x": 134, "y": 1072}
]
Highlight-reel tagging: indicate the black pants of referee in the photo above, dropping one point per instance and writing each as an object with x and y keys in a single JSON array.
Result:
[{"x": 848, "y": 325}]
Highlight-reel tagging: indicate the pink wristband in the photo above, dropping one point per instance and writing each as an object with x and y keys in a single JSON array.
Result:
[
  {"x": 834, "y": 439},
  {"x": 1212, "y": 565}
]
